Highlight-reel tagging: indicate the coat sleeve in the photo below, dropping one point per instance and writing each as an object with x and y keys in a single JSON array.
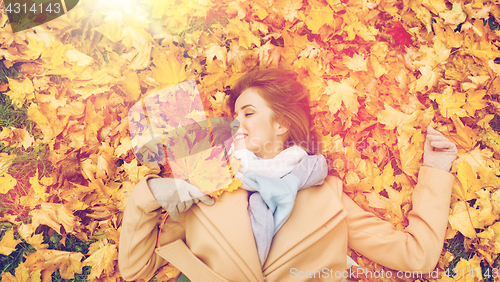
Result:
[
  {"x": 137, "y": 258},
  {"x": 419, "y": 246}
]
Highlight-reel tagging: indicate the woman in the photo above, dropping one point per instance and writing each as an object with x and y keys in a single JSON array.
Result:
[{"x": 215, "y": 242}]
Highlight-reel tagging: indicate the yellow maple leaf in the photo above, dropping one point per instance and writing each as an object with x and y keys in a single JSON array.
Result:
[
  {"x": 111, "y": 29},
  {"x": 54, "y": 215},
  {"x": 343, "y": 92},
  {"x": 214, "y": 50},
  {"x": 450, "y": 103},
  {"x": 167, "y": 272},
  {"x": 464, "y": 138},
  {"x": 468, "y": 180},
  {"x": 49, "y": 129},
  {"x": 391, "y": 205},
  {"x": 410, "y": 156},
  {"x": 393, "y": 118},
  {"x": 432, "y": 56},
  {"x": 141, "y": 41},
  {"x": 8, "y": 183},
  {"x": 319, "y": 17},
  {"x": 435, "y": 6},
  {"x": 39, "y": 190},
  {"x": 22, "y": 274},
  {"x": 68, "y": 263},
  {"x": 27, "y": 232},
  {"x": 469, "y": 270},
  {"x": 291, "y": 9},
  {"x": 131, "y": 86},
  {"x": 78, "y": 58},
  {"x": 8, "y": 243},
  {"x": 124, "y": 147},
  {"x": 241, "y": 29},
  {"x": 135, "y": 172},
  {"x": 167, "y": 70},
  {"x": 464, "y": 219},
  {"x": 475, "y": 101},
  {"x": 385, "y": 179},
  {"x": 208, "y": 174},
  {"x": 455, "y": 16},
  {"x": 20, "y": 91},
  {"x": 378, "y": 67},
  {"x": 356, "y": 63},
  {"x": 482, "y": 163},
  {"x": 102, "y": 261},
  {"x": 426, "y": 81}
]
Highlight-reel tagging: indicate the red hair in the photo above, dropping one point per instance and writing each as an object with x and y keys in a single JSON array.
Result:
[{"x": 288, "y": 98}]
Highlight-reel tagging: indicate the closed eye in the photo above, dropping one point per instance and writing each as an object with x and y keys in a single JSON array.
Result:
[{"x": 248, "y": 114}]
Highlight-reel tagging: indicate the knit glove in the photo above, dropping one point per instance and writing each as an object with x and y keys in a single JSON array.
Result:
[
  {"x": 311, "y": 170},
  {"x": 176, "y": 195},
  {"x": 439, "y": 152}
]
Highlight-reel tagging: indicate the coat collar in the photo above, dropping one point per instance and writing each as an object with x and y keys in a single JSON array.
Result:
[{"x": 314, "y": 207}]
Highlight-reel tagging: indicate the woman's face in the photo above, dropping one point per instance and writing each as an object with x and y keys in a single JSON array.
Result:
[{"x": 257, "y": 131}]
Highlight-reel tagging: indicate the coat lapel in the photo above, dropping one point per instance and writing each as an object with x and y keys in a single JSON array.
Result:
[
  {"x": 314, "y": 208},
  {"x": 228, "y": 219}
]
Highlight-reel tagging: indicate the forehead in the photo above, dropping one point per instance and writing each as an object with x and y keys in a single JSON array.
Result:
[{"x": 250, "y": 96}]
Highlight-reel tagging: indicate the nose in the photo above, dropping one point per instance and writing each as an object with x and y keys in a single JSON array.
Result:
[{"x": 235, "y": 125}]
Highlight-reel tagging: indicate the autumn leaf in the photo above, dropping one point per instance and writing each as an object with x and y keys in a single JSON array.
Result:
[
  {"x": 102, "y": 262},
  {"x": 400, "y": 35},
  {"x": 167, "y": 272},
  {"x": 54, "y": 215},
  {"x": 475, "y": 102},
  {"x": 455, "y": 16},
  {"x": 392, "y": 118},
  {"x": 168, "y": 70},
  {"x": 68, "y": 263},
  {"x": 8, "y": 243},
  {"x": 468, "y": 180},
  {"x": 36, "y": 240},
  {"x": 20, "y": 91},
  {"x": 204, "y": 171},
  {"x": 38, "y": 189},
  {"x": 464, "y": 219},
  {"x": 356, "y": 63},
  {"x": 8, "y": 183},
  {"x": 342, "y": 93},
  {"x": 22, "y": 274},
  {"x": 450, "y": 103}
]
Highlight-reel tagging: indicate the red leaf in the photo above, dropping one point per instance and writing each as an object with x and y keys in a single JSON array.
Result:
[{"x": 399, "y": 33}]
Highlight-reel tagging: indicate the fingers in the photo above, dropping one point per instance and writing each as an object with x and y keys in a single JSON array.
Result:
[
  {"x": 446, "y": 145},
  {"x": 207, "y": 200},
  {"x": 173, "y": 213},
  {"x": 194, "y": 191},
  {"x": 431, "y": 130}
]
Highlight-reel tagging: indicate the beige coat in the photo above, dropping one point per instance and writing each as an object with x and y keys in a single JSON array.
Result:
[{"x": 215, "y": 243}]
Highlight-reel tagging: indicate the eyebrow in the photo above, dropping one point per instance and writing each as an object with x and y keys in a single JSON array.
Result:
[{"x": 247, "y": 105}]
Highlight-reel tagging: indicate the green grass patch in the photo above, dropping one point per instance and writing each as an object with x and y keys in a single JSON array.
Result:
[
  {"x": 5, "y": 72},
  {"x": 72, "y": 244},
  {"x": 9, "y": 263},
  {"x": 11, "y": 116}
]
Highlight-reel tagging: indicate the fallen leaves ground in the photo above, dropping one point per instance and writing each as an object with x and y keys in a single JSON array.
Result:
[{"x": 379, "y": 73}]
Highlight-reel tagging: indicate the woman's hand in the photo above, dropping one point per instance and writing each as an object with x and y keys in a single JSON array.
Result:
[
  {"x": 176, "y": 195},
  {"x": 439, "y": 152}
]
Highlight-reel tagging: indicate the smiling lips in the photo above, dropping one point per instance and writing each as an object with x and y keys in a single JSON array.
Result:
[{"x": 239, "y": 136}]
